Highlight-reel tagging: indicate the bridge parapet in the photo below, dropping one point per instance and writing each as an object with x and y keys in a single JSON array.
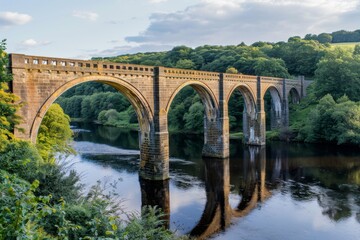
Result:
[
  {"x": 72, "y": 65},
  {"x": 191, "y": 74},
  {"x": 271, "y": 79},
  {"x": 239, "y": 77}
]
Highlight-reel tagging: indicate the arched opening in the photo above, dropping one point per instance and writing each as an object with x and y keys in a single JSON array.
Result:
[
  {"x": 293, "y": 96},
  {"x": 192, "y": 110},
  {"x": 273, "y": 109},
  {"x": 242, "y": 113},
  {"x": 105, "y": 113},
  {"x": 139, "y": 104}
]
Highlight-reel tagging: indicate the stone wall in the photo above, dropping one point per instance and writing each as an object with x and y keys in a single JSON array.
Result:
[{"x": 39, "y": 81}]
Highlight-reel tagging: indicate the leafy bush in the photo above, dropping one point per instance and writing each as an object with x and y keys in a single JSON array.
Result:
[
  {"x": 21, "y": 158},
  {"x": 21, "y": 212},
  {"x": 54, "y": 134},
  {"x": 333, "y": 121}
]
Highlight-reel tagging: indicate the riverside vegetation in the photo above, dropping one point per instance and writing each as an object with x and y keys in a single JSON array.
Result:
[{"x": 40, "y": 199}]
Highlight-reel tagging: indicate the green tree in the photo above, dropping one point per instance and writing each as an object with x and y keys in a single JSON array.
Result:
[
  {"x": 324, "y": 38},
  {"x": 300, "y": 56},
  {"x": 333, "y": 121},
  {"x": 54, "y": 134},
  {"x": 194, "y": 118},
  {"x": 270, "y": 67},
  {"x": 356, "y": 50},
  {"x": 8, "y": 101},
  {"x": 231, "y": 70},
  {"x": 185, "y": 64},
  {"x": 338, "y": 73}
]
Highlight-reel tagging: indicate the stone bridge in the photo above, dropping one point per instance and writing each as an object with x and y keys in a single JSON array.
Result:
[{"x": 39, "y": 81}]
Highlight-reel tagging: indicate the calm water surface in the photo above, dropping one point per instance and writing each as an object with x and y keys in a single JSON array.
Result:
[{"x": 281, "y": 191}]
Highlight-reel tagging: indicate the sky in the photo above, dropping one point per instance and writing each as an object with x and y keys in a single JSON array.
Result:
[{"x": 91, "y": 28}]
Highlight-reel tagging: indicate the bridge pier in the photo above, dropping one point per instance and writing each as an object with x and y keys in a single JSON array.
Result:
[
  {"x": 216, "y": 127},
  {"x": 216, "y": 144},
  {"x": 154, "y": 162},
  {"x": 154, "y": 155}
]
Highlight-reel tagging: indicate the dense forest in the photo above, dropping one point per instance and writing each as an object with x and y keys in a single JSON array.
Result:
[
  {"x": 335, "y": 72},
  {"x": 335, "y": 37},
  {"x": 42, "y": 199}
]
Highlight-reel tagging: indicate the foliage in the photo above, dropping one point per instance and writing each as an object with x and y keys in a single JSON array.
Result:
[
  {"x": 88, "y": 107},
  {"x": 236, "y": 108},
  {"x": 300, "y": 56},
  {"x": 59, "y": 182},
  {"x": 22, "y": 213},
  {"x": 54, "y": 134},
  {"x": 113, "y": 118},
  {"x": 8, "y": 103},
  {"x": 337, "y": 122},
  {"x": 194, "y": 118},
  {"x": 271, "y": 67},
  {"x": 231, "y": 70},
  {"x": 148, "y": 226},
  {"x": 21, "y": 158},
  {"x": 335, "y": 37},
  {"x": 338, "y": 73}
]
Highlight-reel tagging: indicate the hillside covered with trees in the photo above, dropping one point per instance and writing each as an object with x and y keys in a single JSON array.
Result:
[
  {"x": 335, "y": 72},
  {"x": 341, "y": 36}
]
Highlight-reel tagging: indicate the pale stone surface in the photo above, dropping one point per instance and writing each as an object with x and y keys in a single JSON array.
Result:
[{"x": 39, "y": 81}]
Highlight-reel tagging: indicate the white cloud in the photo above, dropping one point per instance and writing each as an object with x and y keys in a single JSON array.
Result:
[
  {"x": 91, "y": 16},
  {"x": 157, "y": 1},
  {"x": 30, "y": 43},
  {"x": 234, "y": 21},
  {"x": 127, "y": 49},
  {"x": 14, "y": 18}
]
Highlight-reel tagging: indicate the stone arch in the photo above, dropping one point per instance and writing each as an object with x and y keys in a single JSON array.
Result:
[
  {"x": 206, "y": 94},
  {"x": 293, "y": 95},
  {"x": 212, "y": 130},
  {"x": 139, "y": 103},
  {"x": 277, "y": 108},
  {"x": 250, "y": 111},
  {"x": 275, "y": 97},
  {"x": 249, "y": 97}
]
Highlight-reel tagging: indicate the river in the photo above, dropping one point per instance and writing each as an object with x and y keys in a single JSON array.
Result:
[{"x": 281, "y": 191}]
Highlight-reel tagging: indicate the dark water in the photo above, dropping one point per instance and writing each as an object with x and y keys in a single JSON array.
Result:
[{"x": 281, "y": 191}]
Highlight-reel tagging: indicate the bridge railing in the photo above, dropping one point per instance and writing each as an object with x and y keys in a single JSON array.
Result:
[
  {"x": 64, "y": 64},
  {"x": 191, "y": 74},
  {"x": 49, "y": 63},
  {"x": 239, "y": 77}
]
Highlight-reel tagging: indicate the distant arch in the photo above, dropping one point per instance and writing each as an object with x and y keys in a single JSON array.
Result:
[
  {"x": 275, "y": 100},
  {"x": 206, "y": 94},
  {"x": 293, "y": 95},
  {"x": 141, "y": 106},
  {"x": 249, "y": 98}
]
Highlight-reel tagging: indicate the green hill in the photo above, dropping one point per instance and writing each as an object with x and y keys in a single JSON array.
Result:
[{"x": 349, "y": 45}]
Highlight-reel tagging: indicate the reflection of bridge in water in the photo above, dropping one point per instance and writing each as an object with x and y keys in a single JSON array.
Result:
[
  {"x": 217, "y": 212},
  {"x": 256, "y": 176}
]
